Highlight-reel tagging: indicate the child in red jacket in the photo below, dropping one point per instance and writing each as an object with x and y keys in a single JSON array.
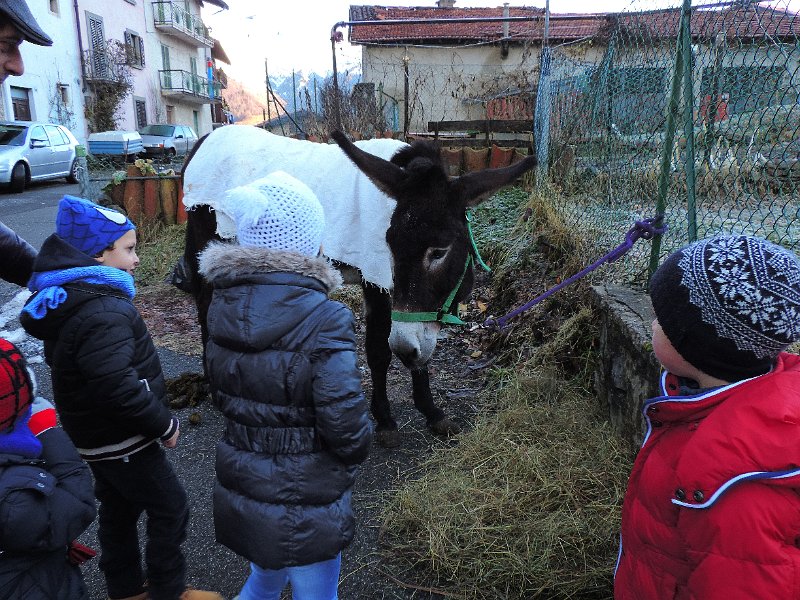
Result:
[{"x": 712, "y": 508}]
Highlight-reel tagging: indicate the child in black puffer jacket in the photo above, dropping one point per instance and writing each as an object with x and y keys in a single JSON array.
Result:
[{"x": 46, "y": 497}]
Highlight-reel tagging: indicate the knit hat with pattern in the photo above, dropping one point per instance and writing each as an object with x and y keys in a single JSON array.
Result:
[
  {"x": 16, "y": 389},
  {"x": 277, "y": 212},
  {"x": 729, "y": 304},
  {"x": 89, "y": 227}
]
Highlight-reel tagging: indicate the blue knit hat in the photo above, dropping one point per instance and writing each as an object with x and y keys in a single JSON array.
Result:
[{"x": 89, "y": 227}]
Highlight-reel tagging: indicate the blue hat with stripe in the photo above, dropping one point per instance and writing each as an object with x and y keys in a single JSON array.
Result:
[{"x": 89, "y": 227}]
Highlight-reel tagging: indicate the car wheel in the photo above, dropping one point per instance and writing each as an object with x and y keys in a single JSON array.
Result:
[
  {"x": 18, "y": 178},
  {"x": 73, "y": 172}
]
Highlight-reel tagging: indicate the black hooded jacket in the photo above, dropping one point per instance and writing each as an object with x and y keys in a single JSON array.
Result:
[
  {"x": 16, "y": 257},
  {"x": 282, "y": 362},
  {"x": 108, "y": 386},
  {"x": 45, "y": 504}
]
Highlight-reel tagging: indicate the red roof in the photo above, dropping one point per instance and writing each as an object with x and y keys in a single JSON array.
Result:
[
  {"x": 573, "y": 28},
  {"x": 740, "y": 22}
]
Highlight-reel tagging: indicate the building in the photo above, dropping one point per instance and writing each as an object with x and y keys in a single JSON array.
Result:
[{"x": 156, "y": 58}]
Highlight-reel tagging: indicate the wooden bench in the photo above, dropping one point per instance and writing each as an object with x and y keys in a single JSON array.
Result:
[{"x": 468, "y": 132}]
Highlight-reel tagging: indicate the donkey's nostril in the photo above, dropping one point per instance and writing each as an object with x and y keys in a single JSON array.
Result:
[{"x": 408, "y": 356}]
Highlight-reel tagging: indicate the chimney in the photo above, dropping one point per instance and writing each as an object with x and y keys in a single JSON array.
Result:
[{"x": 445, "y": 3}]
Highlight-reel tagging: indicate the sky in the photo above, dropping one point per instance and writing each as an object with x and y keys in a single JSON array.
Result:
[{"x": 297, "y": 34}]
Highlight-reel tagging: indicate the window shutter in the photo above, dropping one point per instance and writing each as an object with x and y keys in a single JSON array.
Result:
[
  {"x": 129, "y": 53},
  {"x": 141, "y": 51}
]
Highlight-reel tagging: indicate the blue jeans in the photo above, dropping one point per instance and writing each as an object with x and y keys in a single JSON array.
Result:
[{"x": 317, "y": 581}]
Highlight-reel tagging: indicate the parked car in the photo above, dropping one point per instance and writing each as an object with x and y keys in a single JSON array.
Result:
[
  {"x": 32, "y": 151},
  {"x": 167, "y": 140}
]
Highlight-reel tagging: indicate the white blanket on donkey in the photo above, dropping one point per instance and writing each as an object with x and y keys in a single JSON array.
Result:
[{"x": 357, "y": 214}]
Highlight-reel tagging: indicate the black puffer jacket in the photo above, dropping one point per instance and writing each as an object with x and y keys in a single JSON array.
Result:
[
  {"x": 282, "y": 363},
  {"x": 44, "y": 505},
  {"x": 16, "y": 257},
  {"x": 108, "y": 386}
]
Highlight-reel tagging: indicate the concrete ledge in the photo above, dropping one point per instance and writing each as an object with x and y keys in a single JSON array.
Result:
[{"x": 628, "y": 371}]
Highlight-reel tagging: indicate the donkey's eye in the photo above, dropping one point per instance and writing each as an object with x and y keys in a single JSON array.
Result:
[{"x": 434, "y": 257}]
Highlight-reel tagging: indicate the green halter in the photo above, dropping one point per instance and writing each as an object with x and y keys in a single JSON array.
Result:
[{"x": 448, "y": 313}]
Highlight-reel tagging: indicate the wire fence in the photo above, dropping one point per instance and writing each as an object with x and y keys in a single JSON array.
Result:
[{"x": 691, "y": 112}]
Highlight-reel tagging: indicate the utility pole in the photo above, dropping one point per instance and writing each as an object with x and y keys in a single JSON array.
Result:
[
  {"x": 269, "y": 89},
  {"x": 294, "y": 102}
]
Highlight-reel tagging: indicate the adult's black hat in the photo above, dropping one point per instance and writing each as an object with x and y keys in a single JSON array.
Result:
[{"x": 19, "y": 14}]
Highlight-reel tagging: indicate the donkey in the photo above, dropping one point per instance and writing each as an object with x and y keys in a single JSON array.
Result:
[{"x": 422, "y": 266}]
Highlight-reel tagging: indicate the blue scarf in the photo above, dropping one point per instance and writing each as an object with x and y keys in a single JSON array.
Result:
[
  {"x": 20, "y": 440},
  {"x": 51, "y": 294}
]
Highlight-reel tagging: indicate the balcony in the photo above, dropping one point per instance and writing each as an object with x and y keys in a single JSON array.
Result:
[
  {"x": 100, "y": 67},
  {"x": 188, "y": 87},
  {"x": 172, "y": 19},
  {"x": 221, "y": 78}
]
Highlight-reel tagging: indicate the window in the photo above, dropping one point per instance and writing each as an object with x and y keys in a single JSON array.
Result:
[
  {"x": 638, "y": 80},
  {"x": 196, "y": 120},
  {"x": 56, "y": 137},
  {"x": 748, "y": 88},
  {"x": 140, "y": 108},
  {"x": 134, "y": 48},
  {"x": 63, "y": 93},
  {"x": 54, "y": 6},
  {"x": 38, "y": 135},
  {"x": 21, "y": 103},
  {"x": 170, "y": 113}
]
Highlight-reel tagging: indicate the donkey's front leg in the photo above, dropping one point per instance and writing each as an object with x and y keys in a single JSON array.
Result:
[
  {"x": 378, "y": 312},
  {"x": 437, "y": 421}
]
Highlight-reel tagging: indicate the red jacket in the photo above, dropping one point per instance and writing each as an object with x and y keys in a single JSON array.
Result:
[{"x": 712, "y": 509}]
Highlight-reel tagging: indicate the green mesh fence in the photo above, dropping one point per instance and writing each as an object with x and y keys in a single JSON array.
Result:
[
  {"x": 98, "y": 173},
  {"x": 691, "y": 111}
]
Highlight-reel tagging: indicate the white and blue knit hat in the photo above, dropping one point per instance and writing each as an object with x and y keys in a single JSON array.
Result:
[
  {"x": 277, "y": 212},
  {"x": 729, "y": 304}
]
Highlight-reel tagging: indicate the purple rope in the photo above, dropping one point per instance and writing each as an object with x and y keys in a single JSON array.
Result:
[{"x": 644, "y": 229}]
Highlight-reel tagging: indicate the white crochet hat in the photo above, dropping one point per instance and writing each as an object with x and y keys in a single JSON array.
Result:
[{"x": 277, "y": 212}]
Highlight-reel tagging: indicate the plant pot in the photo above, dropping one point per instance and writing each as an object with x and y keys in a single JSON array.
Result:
[
  {"x": 518, "y": 155},
  {"x": 169, "y": 200},
  {"x": 150, "y": 205},
  {"x": 500, "y": 157},
  {"x": 453, "y": 157},
  {"x": 475, "y": 159},
  {"x": 133, "y": 199},
  {"x": 182, "y": 216}
]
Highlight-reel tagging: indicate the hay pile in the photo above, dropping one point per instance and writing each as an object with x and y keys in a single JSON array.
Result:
[{"x": 527, "y": 505}]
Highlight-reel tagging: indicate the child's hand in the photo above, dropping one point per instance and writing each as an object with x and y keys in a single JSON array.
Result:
[{"x": 173, "y": 441}]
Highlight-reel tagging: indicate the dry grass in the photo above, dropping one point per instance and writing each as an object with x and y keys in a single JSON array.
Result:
[{"x": 527, "y": 504}]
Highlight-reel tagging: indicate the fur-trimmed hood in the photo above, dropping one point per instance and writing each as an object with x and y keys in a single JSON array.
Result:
[{"x": 226, "y": 260}]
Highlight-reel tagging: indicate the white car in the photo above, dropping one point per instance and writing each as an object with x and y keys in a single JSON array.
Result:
[
  {"x": 31, "y": 151},
  {"x": 167, "y": 140}
]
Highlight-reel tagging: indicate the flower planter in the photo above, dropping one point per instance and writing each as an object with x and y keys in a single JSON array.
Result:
[
  {"x": 500, "y": 157},
  {"x": 453, "y": 157},
  {"x": 475, "y": 159}
]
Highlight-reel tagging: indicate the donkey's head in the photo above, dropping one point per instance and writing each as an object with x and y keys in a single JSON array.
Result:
[{"x": 428, "y": 237}]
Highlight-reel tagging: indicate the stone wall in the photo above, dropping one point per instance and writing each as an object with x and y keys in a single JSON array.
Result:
[{"x": 628, "y": 372}]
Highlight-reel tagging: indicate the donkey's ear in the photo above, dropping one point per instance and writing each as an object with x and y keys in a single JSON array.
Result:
[
  {"x": 385, "y": 175},
  {"x": 474, "y": 188}
]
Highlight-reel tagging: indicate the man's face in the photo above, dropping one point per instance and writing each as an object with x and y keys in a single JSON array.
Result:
[{"x": 10, "y": 58}]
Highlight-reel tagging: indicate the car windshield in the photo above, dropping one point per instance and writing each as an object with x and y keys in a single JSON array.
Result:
[
  {"x": 12, "y": 135},
  {"x": 162, "y": 130}
]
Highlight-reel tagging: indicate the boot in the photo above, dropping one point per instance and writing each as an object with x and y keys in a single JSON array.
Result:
[
  {"x": 200, "y": 595},
  {"x": 142, "y": 596}
]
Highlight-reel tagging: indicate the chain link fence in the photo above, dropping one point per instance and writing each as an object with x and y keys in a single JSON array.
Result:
[
  {"x": 98, "y": 174},
  {"x": 691, "y": 112}
]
